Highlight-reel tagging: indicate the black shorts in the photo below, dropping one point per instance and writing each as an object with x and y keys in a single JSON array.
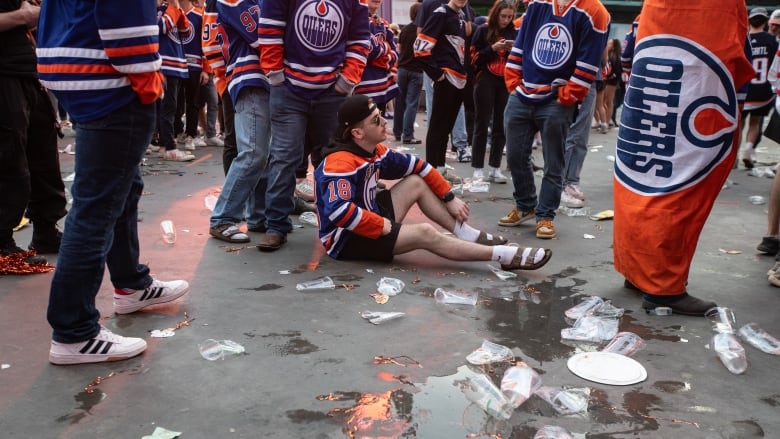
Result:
[
  {"x": 379, "y": 249},
  {"x": 760, "y": 111}
]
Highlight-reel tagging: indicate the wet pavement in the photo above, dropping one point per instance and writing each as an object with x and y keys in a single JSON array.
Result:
[{"x": 309, "y": 369}]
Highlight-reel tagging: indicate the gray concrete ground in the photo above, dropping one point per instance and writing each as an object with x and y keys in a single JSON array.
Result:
[{"x": 309, "y": 372}]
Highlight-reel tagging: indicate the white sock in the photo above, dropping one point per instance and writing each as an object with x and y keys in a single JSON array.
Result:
[
  {"x": 503, "y": 254},
  {"x": 466, "y": 232},
  {"x": 748, "y": 146}
]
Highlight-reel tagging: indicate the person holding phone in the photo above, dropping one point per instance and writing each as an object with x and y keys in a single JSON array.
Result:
[{"x": 490, "y": 46}]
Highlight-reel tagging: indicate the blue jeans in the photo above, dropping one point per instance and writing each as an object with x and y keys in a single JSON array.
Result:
[
  {"x": 209, "y": 90},
  {"x": 577, "y": 140},
  {"x": 460, "y": 138},
  {"x": 102, "y": 226},
  {"x": 293, "y": 120},
  {"x": 410, "y": 86},
  {"x": 521, "y": 121},
  {"x": 253, "y": 134}
]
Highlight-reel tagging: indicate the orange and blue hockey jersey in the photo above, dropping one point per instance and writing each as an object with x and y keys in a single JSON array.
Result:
[
  {"x": 193, "y": 48},
  {"x": 557, "y": 47},
  {"x": 215, "y": 45},
  {"x": 378, "y": 81},
  {"x": 96, "y": 67},
  {"x": 174, "y": 30},
  {"x": 240, "y": 21},
  {"x": 627, "y": 55},
  {"x": 441, "y": 45},
  {"x": 346, "y": 190},
  {"x": 678, "y": 136},
  {"x": 309, "y": 45}
]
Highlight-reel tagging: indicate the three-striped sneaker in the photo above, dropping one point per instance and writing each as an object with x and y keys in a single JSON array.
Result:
[
  {"x": 106, "y": 346},
  {"x": 127, "y": 301}
]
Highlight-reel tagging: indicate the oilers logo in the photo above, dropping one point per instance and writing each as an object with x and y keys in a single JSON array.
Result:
[
  {"x": 552, "y": 46},
  {"x": 679, "y": 116},
  {"x": 319, "y": 24}
]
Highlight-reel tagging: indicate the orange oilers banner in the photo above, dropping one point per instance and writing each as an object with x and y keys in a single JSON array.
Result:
[{"x": 678, "y": 135}]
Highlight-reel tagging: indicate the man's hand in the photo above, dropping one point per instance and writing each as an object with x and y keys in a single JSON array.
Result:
[
  {"x": 204, "y": 78},
  {"x": 387, "y": 227},
  {"x": 29, "y": 14},
  {"x": 458, "y": 208}
]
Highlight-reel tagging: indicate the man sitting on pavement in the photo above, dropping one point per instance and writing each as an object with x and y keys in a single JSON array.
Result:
[{"x": 357, "y": 222}]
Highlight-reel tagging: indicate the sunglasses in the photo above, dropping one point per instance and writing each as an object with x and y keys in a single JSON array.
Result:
[{"x": 377, "y": 120}]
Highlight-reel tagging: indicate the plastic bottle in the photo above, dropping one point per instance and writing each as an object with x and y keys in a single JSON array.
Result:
[
  {"x": 660, "y": 311},
  {"x": 730, "y": 352},
  {"x": 759, "y": 338},
  {"x": 552, "y": 432},
  {"x": 455, "y": 297},
  {"x": 480, "y": 390},
  {"x": 168, "y": 231}
]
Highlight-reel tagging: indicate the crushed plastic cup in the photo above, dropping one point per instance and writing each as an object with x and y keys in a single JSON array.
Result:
[
  {"x": 490, "y": 352},
  {"x": 625, "y": 343},
  {"x": 210, "y": 201},
  {"x": 478, "y": 186},
  {"x": 592, "y": 329},
  {"x": 582, "y": 308},
  {"x": 390, "y": 286},
  {"x": 502, "y": 274},
  {"x": 607, "y": 309},
  {"x": 378, "y": 317},
  {"x": 722, "y": 319},
  {"x": 730, "y": 352},
  {"x": 552, "y": 432},
  {"x": 565, "y": 402},
  {"x": 213, "y": 350},
  {"x": 480, "y": 390},
  {"x": 309, "y": 218},
  {"x": 760, "y": 339},
  {"x": 321, "y": 283},
  {"x": 756, "y": 199},
  {"x": 574, "y": 211},
  {"x": 168, "y": 231},
  {"x": 455, "y": 297},
  {"x": 519, "y": 383}
]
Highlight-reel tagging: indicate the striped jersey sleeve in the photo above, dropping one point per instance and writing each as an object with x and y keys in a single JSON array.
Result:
[{"x": 97, "y": 57}]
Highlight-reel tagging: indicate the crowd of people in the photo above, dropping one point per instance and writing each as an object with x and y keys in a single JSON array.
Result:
[{"x": 275, "y": 71}]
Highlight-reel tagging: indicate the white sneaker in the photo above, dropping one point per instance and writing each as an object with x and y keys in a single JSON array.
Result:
[
  {"x": 157, "y": 292},
  {"x": 569, "y": 201},
  {"x": 215, "y": 141},
  {"x": 305, "y": 190},
  {"x": 478, "y": 174},
  {"x": 176, "y": 155},
  {"x": 189, "y": 143},
  {"x": 496, "y": 176},
  {"x": 106, "y": 346},
  {"x": 573, "y": 190},
  {"x": 152, "y": 149},
  {"x": 199, "y": 142}
]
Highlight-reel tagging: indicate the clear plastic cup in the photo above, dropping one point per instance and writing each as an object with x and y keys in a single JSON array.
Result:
[
  {"x": 321, "y": 283},
  {"x": 214, "y": 350},
  {"x": 455, "y": 297},
  {"x": 168, "y": 231},
  {"x": 390, "y": 286}
]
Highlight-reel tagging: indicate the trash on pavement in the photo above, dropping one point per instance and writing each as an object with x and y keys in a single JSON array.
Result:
[
  {"x": 730, "y": 352},
  {"x": 213, "y": 350},
  {"x": 519, "y": 383},
  {"x": 321, "y": 283},
  {"x": 399, "y": 360},
  {"x": 501, "y": 274},
  {"x": 552, "y": 432},
  {"x": 760, "y": 339},
  {"x": 380, "y": 298},
  {"x": 377, "y": 317},
  {"x": 603, "y": 215},
  {"x": 625, "y": 343},
  {"x": 565, "y": 401},
  {"x": 455, "y": 297},
  {"x": 591, "y": 328},
  {"x": 480, "y": 390},
  {"x": 161, "y": 433},
  {"x": 390, "y": 286},
  {"x": 490, "y": 353}
]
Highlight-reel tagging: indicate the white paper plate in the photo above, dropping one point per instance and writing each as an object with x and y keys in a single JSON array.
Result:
[{"x": 607, "y": 368}]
